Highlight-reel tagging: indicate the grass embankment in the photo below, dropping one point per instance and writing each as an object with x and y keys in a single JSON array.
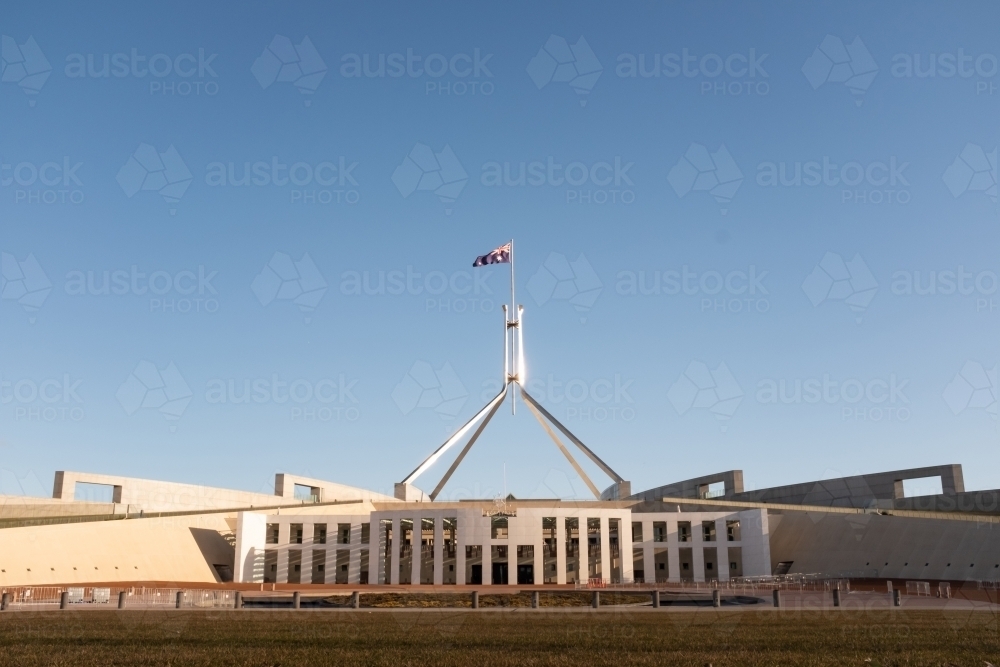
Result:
[{"x": 423, "y": 638}]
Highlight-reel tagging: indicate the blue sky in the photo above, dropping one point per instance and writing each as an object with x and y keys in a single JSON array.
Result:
[{"x": 910, "y": 377}]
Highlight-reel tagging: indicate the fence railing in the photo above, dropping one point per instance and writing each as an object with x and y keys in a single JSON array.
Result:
[
  {"x": 86, "y": 596},
  {"x": 750, "y": 585}
]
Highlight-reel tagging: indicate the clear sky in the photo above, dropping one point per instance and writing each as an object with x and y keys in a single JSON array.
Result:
[{"x": 727, "y": 219}]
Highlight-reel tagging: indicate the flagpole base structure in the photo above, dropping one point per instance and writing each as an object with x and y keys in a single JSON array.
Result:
[
  {"x": 405, "y": 490},
  {"x": 514, "y": 373},
  {"x": 409, "y": 493}
]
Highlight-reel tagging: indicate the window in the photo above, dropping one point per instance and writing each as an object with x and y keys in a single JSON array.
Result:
[
  {"x": 271, "y": 535},
  {"x": 296, "y": 533},
  {"x": 708, "y": 531},
  {"x": 97, "y": 493},
  {"x": 305, "y": 493},
  {"x": 714, "y": 490},
  {"x": 366, "y": 533},
  {"x": 319, "y": 533},
  {"x": 637, "y": 531},
  {"x": 659, "y": 531},
  {"x": 343, "y": 533},
  {"x": 499, "y": 527},
  {"x": 683, "y": 531},
  {"x": 922, "y": 486},
  {"x": 733, "y": 531}
]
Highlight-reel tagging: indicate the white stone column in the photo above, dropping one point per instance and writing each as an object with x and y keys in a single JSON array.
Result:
[
  {"x": 697, "y": 550},
  {"x": 647, "y": 549},
  {"x": 376, "y": 557},
  {"x": 487, "y": 558},
  {"x": 583, "y": 571},
  {"x": 673, "y": 545},
  {"x": 605, "y": 542},
  {"x": 723, "y": 549},
  {"x": 560, "y": 549},
  {"x": 307, "y": 535},
  {"x": 462, "y": 529},
  {"x": 539, "y": 564},
  {"x": 251, "y": 538},
  {"x": 281, "y": 576},
  {"x": 397, "y": 540},
  {"x": 438, "y": 551},
  {"x": 755, "y": 541},
  {"x": 330, "y": 563},
  {"x": 354, "y": 567},
  {"x": 625, "y": 545},
  {"x": 416, "y": 550}
]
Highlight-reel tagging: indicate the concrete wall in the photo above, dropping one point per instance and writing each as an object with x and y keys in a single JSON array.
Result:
[
  {"x": 874, "y": 545},
  {"x": 182, "y": 549},
  {"x": 157, "y": 496},
  {"x": 284, "y": 487},
  {"x": 694, "y": 488},
  {"x": 857, "y": 491}
]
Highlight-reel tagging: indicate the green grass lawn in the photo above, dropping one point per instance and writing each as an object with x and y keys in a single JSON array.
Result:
[{"x": 461, "y": 638}]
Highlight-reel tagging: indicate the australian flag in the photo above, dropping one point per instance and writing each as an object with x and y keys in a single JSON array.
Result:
[{"x": 499, "y": 256}]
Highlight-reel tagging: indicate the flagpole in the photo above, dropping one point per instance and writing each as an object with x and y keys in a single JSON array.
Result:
[{"x": 513, "y": 310}]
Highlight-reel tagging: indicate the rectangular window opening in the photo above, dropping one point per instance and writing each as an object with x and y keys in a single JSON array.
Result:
[
  {"x": 96, "y": 493},
  {"x": 922, "y": 486},
  {"x": 309, "y": 494},
  {"x": 716, "y": 490}
]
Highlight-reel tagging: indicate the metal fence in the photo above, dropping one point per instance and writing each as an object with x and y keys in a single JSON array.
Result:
[
  {"x": 749, "y": 585},
  {"x": 105, "y": 596}
]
